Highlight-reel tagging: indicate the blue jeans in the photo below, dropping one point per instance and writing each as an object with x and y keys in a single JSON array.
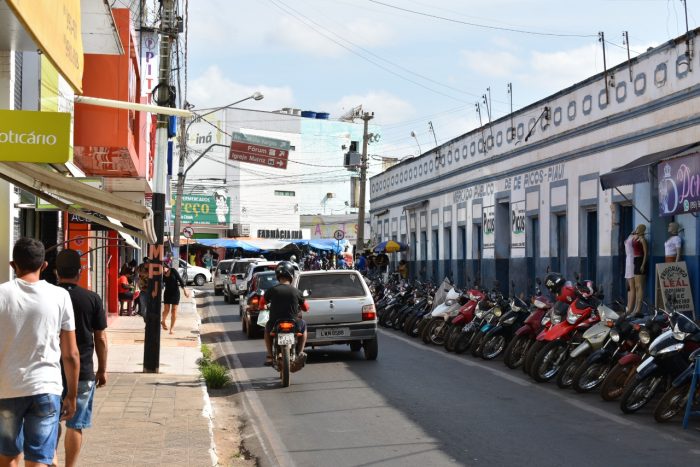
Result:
[
  {"x": 30, "y": 424},
  {"x": 83, "y": 407}
]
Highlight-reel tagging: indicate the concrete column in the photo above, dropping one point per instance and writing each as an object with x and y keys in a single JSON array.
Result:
[{"x": 7, "y": 209}]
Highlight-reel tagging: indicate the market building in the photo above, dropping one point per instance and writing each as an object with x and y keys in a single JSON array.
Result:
[{"x": 560, "y": 184}]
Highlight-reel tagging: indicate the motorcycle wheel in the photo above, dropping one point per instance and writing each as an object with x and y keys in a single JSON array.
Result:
[
  {"x": 493, "y": 347},
  {"x": 587, "y": 378},
  {"x": 436, "y": 332},
  {"x": 531, "y": 354},
  {"x": 463, "y": 341},
  {"x": 565, "y": 378},
  {"x": 514, "y": 355},
  {"x": 545, "y": 366},
  {"x": 421, "y": 326},
  {"x": 398, "y": 322},
  {"x": 408, "y": 324},
  {"x": 425, "y": 334},
  {"x": 672, "y": 403},
  {"x": 284, "y": 369},
  {"x": 615, "y": 383},
  {"x": 382, "y": 319},
  {"x": 477, "y": 344},
  {"x": 639, "y": 393},
  {"x": 451, "y": 337}
]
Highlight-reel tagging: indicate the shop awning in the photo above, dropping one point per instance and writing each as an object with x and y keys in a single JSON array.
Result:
[
  {"x": 81, "y": 199},
  {"x": 638, "y": 171}
]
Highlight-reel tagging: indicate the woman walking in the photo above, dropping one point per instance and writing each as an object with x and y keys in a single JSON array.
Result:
[{"x": 172, "y": 281}]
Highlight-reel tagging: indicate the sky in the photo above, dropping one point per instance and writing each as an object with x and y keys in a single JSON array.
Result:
[{"x": 430, "y": 64}]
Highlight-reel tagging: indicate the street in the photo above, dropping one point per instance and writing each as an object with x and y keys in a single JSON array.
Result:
[{"x": 418, "y": 405}]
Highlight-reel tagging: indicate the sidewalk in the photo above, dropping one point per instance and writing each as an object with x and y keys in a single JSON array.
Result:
[{"x": 150, "y": 419}]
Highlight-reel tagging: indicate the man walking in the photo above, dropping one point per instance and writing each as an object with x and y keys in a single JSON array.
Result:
[
  {"x": 90, "y": 325},
  {"x": 38, "y": 331}
]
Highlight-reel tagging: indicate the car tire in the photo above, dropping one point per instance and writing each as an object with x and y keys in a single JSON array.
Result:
[
  {"x": 244, "y": 326},
  {"x": 355, "y": 346},
  {"x": 371, "y": 347},
  {"x": 199, "y": 280}
]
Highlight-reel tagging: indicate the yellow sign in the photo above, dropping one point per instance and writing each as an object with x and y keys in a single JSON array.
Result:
[
  {"x": 27, "y": 136},
  {"x": 55, "y": 27}
]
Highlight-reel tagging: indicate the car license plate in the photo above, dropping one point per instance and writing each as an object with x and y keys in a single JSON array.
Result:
[
  {"x": 285, "y": 339},
  {"x": 332, "y": 332}
]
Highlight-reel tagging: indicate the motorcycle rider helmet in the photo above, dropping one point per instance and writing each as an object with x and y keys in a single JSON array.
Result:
[
  {"x": 293, "y": 259},
  {"x": 286, "y": 269},
  {"x": 554, "y": 281}
]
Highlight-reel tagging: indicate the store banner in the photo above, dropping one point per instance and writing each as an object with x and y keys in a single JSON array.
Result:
[
  {"x": 517, "y": 229},
  {"x": 29, "y": 136},
  {"x": 56, "y": 29},
  {"x": 673, "y": 288},
  {"x": 679, "y": 185},
  {"x": 488, "y": 226},
  {"x": 203, "y": 209}
]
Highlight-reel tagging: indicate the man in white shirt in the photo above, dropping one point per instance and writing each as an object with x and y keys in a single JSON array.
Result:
[{"x": 37, "y": 331}]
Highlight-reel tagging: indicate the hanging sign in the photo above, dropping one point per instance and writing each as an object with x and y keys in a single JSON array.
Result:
[
  {"x": 29, "y": 136},
  {"x": 259, "y": 150},
  {"x": 673, "y": 287},
  {"x": 517, "y": 229},
  {"x": 488, "y": 226},
  {"x": 679, "y": 185}
]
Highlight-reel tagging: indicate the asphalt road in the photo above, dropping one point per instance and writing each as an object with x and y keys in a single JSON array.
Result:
[{"x": 419, "y": 406}]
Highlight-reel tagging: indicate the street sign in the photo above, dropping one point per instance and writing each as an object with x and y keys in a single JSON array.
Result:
[
  {"x": 339, "y": 235},
  {"x": 187, "y": 232},
  {"x": 259, "y": 150}
]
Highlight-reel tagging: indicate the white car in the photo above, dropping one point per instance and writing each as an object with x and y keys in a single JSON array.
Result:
[{"x": 194, "y": 274}]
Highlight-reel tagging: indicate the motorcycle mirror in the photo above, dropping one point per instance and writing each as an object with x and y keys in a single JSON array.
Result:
[{"x": 305, "y": 293}]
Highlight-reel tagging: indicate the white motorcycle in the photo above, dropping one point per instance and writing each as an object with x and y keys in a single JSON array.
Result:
[{"x": 436, "y": 329}]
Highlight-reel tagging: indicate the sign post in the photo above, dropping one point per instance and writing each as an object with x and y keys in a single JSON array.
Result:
[
  {"x": 339, "y": 235},
  {"x": 187, "y": 232}
]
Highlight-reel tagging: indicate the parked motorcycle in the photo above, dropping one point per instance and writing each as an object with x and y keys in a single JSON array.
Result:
[
  {"x": 465, "y": 316},
  {"x": 496, "y": 340},
  {"x": 525, "y": 335},
  {"x": 434, "y": 332}
]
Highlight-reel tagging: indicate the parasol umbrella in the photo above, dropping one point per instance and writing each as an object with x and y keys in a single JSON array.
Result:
[{"x": 390, "y": 246}]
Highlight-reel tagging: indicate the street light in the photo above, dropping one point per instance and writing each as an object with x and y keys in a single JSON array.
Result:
[
  {"x": 420, "y": 151},
  {"x": 182, "y": 173}
]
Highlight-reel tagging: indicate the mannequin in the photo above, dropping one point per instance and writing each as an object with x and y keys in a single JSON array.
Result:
[
  {"x": 636, "y": 251},
  {"x": 672, "y": 246}
]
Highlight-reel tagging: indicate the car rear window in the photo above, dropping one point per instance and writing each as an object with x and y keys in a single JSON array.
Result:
[
  {"x": 265, "y": 281},
  {"x": 224, "y": 268},
  {"x": 269, "y": 267},
  {"x": 332, "y": 285},
  {"x": 240, "y": 267}
]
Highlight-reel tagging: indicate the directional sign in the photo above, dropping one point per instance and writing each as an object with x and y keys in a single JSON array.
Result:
[
  {"x": 261, "y": 141},
  {"x": 259, "y": 160},
  {"x": 259, "y": 150},
  {"x": 339, "y": 235},
  {"x": 187, "y": 232}
]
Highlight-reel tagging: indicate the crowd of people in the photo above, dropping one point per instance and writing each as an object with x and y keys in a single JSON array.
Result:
[{"x": 367, "y": 263}]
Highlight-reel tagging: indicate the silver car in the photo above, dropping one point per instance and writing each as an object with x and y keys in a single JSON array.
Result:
[
  {"x": 222, "y": 270},
  {"x": 341, "y": 310},
  {"x": 236, "y": 273}
]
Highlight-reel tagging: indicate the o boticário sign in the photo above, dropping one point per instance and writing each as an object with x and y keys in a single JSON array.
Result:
[
  {"x": 202, "y": 209},
  {"x": 28, "y": 136},
  {"x": 679, "y": 185},
  {"x": 259, "y": 150}
]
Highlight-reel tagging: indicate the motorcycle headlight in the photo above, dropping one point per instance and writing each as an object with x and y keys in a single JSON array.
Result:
[
  {"x": 510, "y": 320},
  {"x": 473, "y": 297},
  {"x": 545, "y": 320},
  {"x": 678, "y": 334},
  {"x": 671, "y": 348},
  {"x": 449, "y": 302},
  {"x": 644, "y": 336},
  {"x": 480, "y": 313},
  {"x": 615, "y": 335},
  {"x": 571, "y": 317},
  {"x": 539, "y": 304},
  {"x": 556, "y": 318},
  {"x": 497, "y": 312}
]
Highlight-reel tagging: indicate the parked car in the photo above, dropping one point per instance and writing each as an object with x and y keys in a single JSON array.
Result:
[
  {"x": 252, "y": 269},
  {"x": 194, "y": 274},
  {"x": 260, "y": 282},
  {"x": 341, "y": 310},
  {"x": 222, "y": 270},
  {"x": 236, "y": 272}
]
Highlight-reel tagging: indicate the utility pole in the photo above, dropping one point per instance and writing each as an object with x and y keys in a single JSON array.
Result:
[
  {"x": 151, "y": 347},
  {"x": 366, "y": 117},
  {"x": 177, "y": 226}
]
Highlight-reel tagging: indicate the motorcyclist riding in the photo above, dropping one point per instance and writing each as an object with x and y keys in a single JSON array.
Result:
[{"x": 286, "y": 302}]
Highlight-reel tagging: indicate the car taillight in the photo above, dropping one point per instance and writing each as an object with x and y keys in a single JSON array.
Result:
[
  {"x": 368, "y": 313},
  {"x": 233, "y": 278},
  {"x": 253, "y": 304}
]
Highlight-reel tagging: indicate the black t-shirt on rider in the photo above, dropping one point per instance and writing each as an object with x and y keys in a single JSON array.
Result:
[{"x": 284, "y": 302}]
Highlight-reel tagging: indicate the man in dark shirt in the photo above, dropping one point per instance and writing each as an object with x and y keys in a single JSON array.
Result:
[
  {"x": 285, "y": 303},
  {"x": 90, "y": 325}
]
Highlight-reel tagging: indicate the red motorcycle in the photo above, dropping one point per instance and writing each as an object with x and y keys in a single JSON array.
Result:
[
  {"x": 515, "y": 352},
  {"x": 565, "y": 334},
  {"x": 565, "y": 294},
  {"x": 465, "y": 316}
]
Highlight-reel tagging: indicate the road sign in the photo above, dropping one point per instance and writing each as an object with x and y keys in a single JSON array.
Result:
[
  {"x": 259, "y": 150},
  {"x": 261, "y": 141},
  {"x": 339, "y": 235},
  {"x": 259, "y": 160},
  {"x": 187, "y": 232}
]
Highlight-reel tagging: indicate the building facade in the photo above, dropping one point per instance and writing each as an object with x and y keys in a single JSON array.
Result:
[{"x": 509, "y": 201}]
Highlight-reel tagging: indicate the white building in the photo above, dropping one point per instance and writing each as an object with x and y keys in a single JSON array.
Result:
[{"x": 265, "y": 201}]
